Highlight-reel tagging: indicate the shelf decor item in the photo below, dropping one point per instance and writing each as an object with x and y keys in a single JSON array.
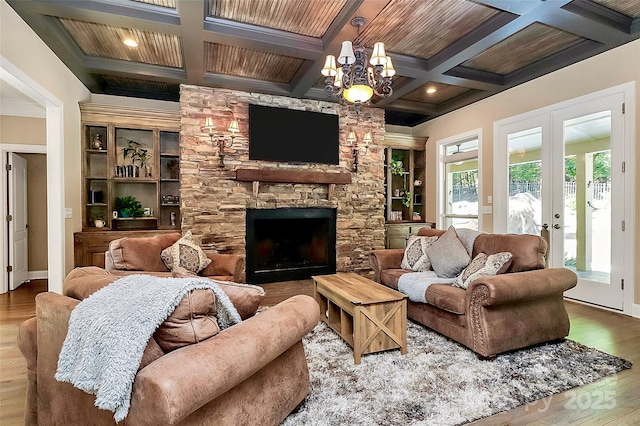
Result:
[
  {"x": 137, "y": 153},
  {"x": 128, "y": 206}
]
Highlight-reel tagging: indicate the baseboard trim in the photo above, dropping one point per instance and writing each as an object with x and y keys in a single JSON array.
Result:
[
  {"x": 635, "y": 310},
  {"x": 38, "y": 275}
]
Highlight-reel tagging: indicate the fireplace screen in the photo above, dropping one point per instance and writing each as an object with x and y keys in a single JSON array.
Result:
[{"x": 290, "y": 244}]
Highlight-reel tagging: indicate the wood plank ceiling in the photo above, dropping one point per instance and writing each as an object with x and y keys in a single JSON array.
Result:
[{"x": 447, "y": 53}]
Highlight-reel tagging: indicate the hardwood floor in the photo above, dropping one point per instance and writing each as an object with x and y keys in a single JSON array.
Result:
[{"x": 611, "y": 401}]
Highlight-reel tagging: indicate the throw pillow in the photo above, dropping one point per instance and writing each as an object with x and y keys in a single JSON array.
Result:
[
  {"x": 193, "y": 321},
  {"x": 415, "y": 255},
  {"x": 185, "y": 253},
  {"x": 484, "y": 266},
  {"x": 245, "y": 297},
  {"x": 447, "y": 255}
]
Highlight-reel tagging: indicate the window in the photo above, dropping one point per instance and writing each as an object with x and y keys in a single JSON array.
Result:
[{"x": 459, "y": 181}]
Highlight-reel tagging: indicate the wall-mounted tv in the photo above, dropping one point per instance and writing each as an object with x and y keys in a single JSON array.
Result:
[{"x": 280, "y": 134}]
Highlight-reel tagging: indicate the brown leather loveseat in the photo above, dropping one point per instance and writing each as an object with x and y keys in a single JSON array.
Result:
[
  {"x": 252, "y": 373},
  {"x": 143, "y": 255},
  {"x": 495, "y": 314}
]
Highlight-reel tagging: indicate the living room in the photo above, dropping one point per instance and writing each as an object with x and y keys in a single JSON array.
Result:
[{"x": 61, "y": 136}]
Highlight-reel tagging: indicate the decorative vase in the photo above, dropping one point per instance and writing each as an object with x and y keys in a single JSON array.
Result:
[{"x": 124, "y": 213}]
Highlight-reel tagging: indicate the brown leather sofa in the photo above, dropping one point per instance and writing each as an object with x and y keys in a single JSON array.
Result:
[
  {"x": 495, "y": 314},
  {"x": 135, "y": 255},
  {"x": 253, "y": 373}
]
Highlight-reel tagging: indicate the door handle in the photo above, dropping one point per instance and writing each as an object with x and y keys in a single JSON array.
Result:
[{"x": 556, "y": 226}]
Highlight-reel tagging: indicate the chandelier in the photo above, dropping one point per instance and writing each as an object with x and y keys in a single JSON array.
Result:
[{"x": 356, "y": 80}]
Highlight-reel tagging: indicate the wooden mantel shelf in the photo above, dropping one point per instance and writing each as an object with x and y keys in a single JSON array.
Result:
[{"x": 292, "y": 176}]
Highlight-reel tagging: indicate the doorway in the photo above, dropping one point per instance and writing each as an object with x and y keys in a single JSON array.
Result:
[{"x": 562, "y": 176}]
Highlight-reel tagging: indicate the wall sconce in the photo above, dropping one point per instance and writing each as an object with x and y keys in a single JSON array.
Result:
[
  {"x": 219, "y": 140},
  {"x": 356, "y": 150}
]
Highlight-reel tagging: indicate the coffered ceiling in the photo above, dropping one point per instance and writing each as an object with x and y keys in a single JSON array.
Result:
[{"x": 461, "y": 50}]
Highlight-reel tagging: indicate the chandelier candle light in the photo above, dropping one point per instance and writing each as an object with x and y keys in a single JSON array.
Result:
[
  {"x": 220, "y": 142},
  {"x": 356, "y": 80}
]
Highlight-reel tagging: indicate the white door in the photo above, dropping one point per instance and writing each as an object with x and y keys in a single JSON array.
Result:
[
  {"x": 18, "y": 228},
  {"x": 587, "y": 233},
  {"x": 561, "y": 172}
]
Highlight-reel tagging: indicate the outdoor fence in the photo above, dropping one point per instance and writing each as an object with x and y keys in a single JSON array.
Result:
[{"x": 601, "y": 190}]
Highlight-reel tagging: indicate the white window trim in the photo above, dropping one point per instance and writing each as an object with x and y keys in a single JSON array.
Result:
[{"x": 441, "y": 193}]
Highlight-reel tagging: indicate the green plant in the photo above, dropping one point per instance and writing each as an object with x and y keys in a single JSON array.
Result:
[
  {"x": 136, "y": 152},
  {"x": 396, "y": 167},
  {"x": 406, "y": 198},
  {"x": 128, "y": 206}
]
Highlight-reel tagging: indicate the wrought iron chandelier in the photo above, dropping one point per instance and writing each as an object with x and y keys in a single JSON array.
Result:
[{"x": 357, "y": 81}]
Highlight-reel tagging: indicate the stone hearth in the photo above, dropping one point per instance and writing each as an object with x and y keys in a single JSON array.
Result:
[{"x": 214, "y": 202}]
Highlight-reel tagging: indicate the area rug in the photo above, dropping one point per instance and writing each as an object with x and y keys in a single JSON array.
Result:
[{"x": 438, "y": 382}]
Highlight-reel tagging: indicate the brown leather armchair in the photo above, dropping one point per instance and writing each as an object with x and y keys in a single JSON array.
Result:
[{"x": 254, "y": 372}]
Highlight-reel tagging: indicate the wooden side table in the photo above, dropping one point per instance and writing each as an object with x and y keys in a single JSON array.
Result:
[{"x": 368, "y": 316}]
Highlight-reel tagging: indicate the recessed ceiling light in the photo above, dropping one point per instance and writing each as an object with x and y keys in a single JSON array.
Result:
[
  {"x": 431, "y": 90},
  {"x": 130, "y": 42}
]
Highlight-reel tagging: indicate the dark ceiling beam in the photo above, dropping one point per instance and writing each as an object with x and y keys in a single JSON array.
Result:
[
  {"x": 246, "y": 84},
  {"x": 118, "y": 14},
  {"x": 412, "y": 106},
  {"x": 193, "y": 50},
  {"x": 224, "y": 31},
  {"x": 483, "y": 41},
  {"x": 599, "y": 13},
  {"x": 598, "y": 30},
  {"x": 135, "y": 70}
]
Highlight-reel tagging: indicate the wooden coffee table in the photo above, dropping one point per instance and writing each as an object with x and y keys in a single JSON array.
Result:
[{"x": 367, "y": 315}]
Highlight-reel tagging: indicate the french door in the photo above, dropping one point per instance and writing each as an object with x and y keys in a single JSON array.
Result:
[{"x": 562, "y": 177}]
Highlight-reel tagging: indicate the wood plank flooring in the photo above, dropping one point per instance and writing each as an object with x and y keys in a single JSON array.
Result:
[{"x": 611, "y": 401}]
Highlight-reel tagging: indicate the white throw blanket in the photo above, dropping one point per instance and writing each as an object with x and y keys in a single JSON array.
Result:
[
  {"x": 415, "y": 284},
  {"x": 109, "y": 330}
]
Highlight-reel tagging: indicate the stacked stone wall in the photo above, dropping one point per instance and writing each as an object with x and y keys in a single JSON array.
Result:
[{"x": 214, "y": 203}]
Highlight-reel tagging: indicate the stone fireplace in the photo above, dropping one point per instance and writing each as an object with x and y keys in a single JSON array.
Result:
[
  {"x": 216, "y": 202},
  {"x": 290, "y": 244}
]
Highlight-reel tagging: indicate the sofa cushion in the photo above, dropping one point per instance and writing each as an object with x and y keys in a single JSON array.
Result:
[
  {"x": 245, "y": 297},
  {"x": 185, "y": 253},
  {"x": 528, "y": 250},
  {"x": 484, "y": 266},
  {"x": 193, "y": 321},
  {"x": 141, "y": 253},
  {"x": 390, "y": 277},
  {"x": 415, "y": 255},
  {"x": 448, "y": 255},
  {"x": 447, "y": 297}
]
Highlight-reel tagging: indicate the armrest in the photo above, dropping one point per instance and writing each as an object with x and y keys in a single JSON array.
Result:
[
  {"x": 385, "y": 259},
  {"x": 225, "y": 265},
  {"x": 179, "y": 383},
  {"x": 28, "y": 343},
  {"x": 521, "y": 286}
]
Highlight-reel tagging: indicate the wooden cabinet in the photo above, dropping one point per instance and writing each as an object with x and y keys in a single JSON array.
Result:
[
  {"x": 404, "y": 187},
  {"x": 130, "y": 152}
]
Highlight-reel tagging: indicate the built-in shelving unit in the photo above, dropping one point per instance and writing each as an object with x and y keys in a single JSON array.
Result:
[
  {"x": 108, "y": 133},
  {"x": 404, "y": 187}
]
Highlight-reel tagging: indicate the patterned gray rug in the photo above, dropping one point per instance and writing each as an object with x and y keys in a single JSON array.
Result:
[{"x": 438, "y": 382}]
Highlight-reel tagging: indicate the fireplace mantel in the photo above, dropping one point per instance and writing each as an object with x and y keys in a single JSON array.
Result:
[{"x": 292, "y": 176}]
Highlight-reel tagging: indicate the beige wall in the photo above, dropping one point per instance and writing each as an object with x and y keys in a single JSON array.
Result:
[
  {"x": 37, "y": 210},
  {"x": 22, "y": 130},
  {"x": 617, "y": 66},
  {"x": 25, "y": 50}
]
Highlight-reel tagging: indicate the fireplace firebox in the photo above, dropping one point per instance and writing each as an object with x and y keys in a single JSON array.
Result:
[{"x": 290, "y": 244}]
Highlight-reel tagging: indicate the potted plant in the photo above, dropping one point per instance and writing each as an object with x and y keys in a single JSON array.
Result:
[
  {"x": 128, "y": 206},
  {"x": 396, "y": 166},
  {"x": 137, "y": 153},
  {"x": 406, "y": 198}
]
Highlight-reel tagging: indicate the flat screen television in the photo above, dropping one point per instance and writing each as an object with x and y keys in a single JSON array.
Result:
[{"x": 280, "y": 134}]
